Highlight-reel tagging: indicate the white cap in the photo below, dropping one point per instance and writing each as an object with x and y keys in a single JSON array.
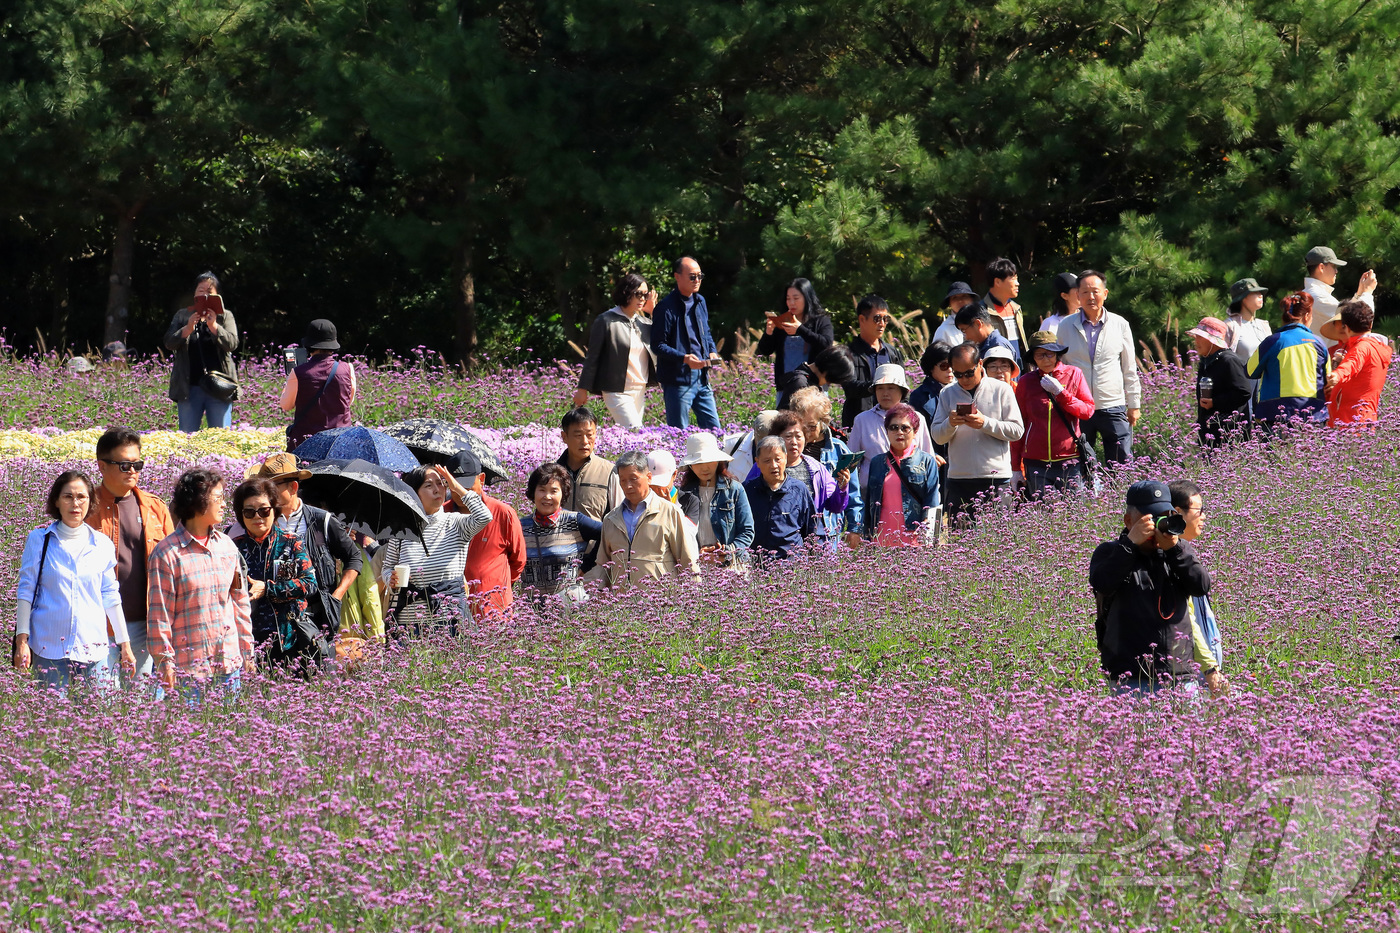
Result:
[{"x": 662, "y": 464}]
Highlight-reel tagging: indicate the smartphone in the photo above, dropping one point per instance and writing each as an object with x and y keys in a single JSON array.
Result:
[{"x": 964, "y": 409}]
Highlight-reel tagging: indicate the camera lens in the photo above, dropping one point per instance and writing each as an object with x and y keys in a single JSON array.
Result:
[{"x": 1173, "y": 524}]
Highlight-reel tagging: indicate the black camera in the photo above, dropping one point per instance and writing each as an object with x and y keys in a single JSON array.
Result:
[{"x": 1173, "y": 524}]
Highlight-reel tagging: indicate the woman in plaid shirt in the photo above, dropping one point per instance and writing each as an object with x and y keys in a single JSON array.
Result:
[{"x": 200, "y": 625}]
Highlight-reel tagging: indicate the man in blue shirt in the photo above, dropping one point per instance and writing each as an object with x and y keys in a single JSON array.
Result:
[
  {"x": 783, "y": 515},
  {"x": 680, "y": 337},
  {"x": 976, "y": 324}
]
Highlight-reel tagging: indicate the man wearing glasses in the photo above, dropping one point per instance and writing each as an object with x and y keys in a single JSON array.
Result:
[
  {"x": 136, "y": 522},
  {"x": 977, "y": 418},
  {"x": 871, "y": 350},
  {"x": 685, "y": 351}
]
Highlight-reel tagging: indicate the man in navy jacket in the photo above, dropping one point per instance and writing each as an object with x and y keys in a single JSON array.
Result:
[{"x": 680, "y": 337}]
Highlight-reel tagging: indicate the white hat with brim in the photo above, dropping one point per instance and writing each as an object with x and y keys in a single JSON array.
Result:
[
  {"x": 703, "y": 448},
  {"x": 1002, "y": 353},
  {"x": 890, "y": 374}
]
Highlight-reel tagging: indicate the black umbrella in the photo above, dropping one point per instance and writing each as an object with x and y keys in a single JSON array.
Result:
[
  {"x": 433, "y": 440},
  {"x": 366, "y": 497}
]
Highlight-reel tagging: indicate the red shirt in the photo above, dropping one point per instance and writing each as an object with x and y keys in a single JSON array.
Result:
[
  {"x": 495, "y": 560},
  {"x": 1360, "y": 378}
]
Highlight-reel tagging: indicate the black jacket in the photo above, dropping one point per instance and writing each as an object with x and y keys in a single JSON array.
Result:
[
  {"x": 328, "y": 541},
  {"x": 1229, "y": 397},
  {"x": 859, "y": 396},
  {"x": 1142, "y": 626},
  {"x": 816, "y": 331},
  {"x": 609, "y": 340}
]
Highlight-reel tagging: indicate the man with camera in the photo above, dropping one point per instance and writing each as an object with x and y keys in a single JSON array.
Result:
[{"x": 1143, "y": 584}]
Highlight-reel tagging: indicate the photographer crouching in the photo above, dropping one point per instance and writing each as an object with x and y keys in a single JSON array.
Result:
[{"x": 1143, "y": 583}]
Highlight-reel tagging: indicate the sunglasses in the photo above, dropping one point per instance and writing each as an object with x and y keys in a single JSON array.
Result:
[
  {"x": 127, "y": 466},
  {"x": 263, "y": 512},
  {"x": 965, "y": 374},
  {"x": 880, "y": 318},
  {"x": 697, "y": 276},
  {"x": 899, "y": 428}
]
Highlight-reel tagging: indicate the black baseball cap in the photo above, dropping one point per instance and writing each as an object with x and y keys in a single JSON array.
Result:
[
  {"x": 1151, "y": 498},
  {"x": 464, "y": 465},
  {"x": 1065, "y": 282}
]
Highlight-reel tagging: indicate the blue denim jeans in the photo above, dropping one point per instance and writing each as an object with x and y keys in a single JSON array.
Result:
[
  {"x": 139, "y": 649},
  {"x": 201, "y": 406},
  {"x": 1062, "y": 475},
  {"x": 1112, "y": 425},
  {"x": 61, "y": 674},
  {"x": 693, "y": 395},
  {"x": 223, "y": 687}
]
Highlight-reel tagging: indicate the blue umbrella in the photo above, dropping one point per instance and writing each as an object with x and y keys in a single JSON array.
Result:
[{"x": 358, "y": 444}]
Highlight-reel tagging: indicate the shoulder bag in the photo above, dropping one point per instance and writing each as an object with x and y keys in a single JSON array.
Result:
[
  {"x": 214, "y": 382},
  {"x": 1088, "y": 463}
]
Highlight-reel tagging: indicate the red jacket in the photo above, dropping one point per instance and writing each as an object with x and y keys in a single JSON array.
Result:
[
  {"x": 495, "y": 560},
  {"x": 1360, "y": 378},
  {"x": 1046, "y": 436}
]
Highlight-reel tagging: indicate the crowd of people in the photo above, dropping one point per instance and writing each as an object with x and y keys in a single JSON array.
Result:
[{"x": 121, "y": 588}]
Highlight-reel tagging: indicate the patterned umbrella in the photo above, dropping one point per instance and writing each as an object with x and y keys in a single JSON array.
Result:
[
  {"x": 358, "y": 444},
  {"x": 433, "y": 441},
  {"x": 367, "y": 497}
]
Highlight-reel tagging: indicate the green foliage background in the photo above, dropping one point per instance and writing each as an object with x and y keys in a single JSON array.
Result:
[{"x": 471, "y": 176}]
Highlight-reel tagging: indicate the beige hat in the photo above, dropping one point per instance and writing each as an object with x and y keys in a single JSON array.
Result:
[
  {"x": 703, "y": 448},
  {"x": 278, "y": 466},
  {"x": 890, "y": 374}
]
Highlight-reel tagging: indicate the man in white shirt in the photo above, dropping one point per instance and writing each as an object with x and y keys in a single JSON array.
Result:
[
  {"x": 1101, "y": 344},
  {"x": 1322, "y": 279}
]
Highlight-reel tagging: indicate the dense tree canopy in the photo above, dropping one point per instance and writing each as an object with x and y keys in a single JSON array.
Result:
[{"x": 473, "y": 175}]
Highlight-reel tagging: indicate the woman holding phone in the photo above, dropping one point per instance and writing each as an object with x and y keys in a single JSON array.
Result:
[
  {"x": 203, "y": 379},
  {"x": 796, "y": 335}
]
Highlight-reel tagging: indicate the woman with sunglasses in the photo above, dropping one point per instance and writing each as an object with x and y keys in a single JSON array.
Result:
[
  {"x": 280, "y": 578},
  {"x": 901, "y": 494},
  {"x": 620, "y": 363}
]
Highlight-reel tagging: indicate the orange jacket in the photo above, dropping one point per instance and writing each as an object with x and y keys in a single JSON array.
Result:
[
  {"x": 1360, "y": 378},
  {"x": 155, "y": 518}
]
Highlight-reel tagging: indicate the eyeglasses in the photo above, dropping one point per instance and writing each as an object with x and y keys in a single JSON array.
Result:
[
  {"x": 899, "y": 428},
  {"x": 127, "y": 466},
  {"x": 697, "y": 276},
  {"x": 965, "y": 374},
  {"x": 263, "y": 512},
  {"x": 880, "y": 318}
]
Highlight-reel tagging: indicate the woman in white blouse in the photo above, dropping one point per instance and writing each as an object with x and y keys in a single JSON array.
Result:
[
  {"x": 68, "y": 595},
  {"x": 435, "y": 587}
]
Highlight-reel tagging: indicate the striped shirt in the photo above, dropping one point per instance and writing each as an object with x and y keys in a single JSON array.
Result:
[
  {"x": 197, "y": 609},
  {"x": 442, "y": 554},
  {"x": 553, "y": 551}
]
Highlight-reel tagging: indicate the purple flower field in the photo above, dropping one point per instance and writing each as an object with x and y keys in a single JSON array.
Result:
[{"x": 871, "y": 741}]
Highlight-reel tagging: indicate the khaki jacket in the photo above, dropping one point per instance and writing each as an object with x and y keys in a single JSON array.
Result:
[
  {"x": 659, "y": 547},
  {"x": 596, "y": 490},
  {"x": 225, "y": 333}
]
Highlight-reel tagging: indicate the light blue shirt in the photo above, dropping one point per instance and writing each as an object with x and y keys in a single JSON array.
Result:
[
  {"x": 631, "y": 516},
  {"x": 68, "y": 618}
]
